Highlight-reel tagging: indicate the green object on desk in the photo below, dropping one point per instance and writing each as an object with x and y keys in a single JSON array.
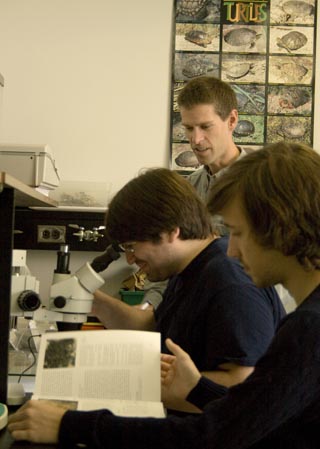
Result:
[
  {"x": 3, "y": 416},
  {"x": 132, "y": 297}
]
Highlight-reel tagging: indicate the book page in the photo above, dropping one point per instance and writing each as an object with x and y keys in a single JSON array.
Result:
[
  {"x": 110, "y": 364},
  {"x": 146, "y": 409},
  {"x": 125, "y": 408}
]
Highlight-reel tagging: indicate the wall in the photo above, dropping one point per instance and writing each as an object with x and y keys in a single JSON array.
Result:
[{"x": 91, "y": 78}]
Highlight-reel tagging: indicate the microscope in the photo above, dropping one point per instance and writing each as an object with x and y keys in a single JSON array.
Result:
[
  {"x": 24, "y": 287},
  {"x": 71, "y": 296},
  {"x": 70, "y": 301},
  {"x": 25, "y": 301}
]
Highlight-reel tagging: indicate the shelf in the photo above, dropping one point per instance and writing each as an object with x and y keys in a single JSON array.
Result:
[{"x": 25, "y": 196}]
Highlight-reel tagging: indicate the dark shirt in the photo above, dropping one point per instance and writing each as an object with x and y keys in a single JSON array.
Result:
[
  {"x": 277, "y": 407},
  {"x": 215, "y": 312}
]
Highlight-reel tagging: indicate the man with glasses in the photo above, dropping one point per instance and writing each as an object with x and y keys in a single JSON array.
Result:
[{"x": 210, "y": 308}]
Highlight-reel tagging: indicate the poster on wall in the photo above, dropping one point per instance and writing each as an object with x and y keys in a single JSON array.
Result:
[{"x": 265, "y": 51}]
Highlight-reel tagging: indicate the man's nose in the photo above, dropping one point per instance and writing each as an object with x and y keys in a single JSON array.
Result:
[{"x": 196, "y": 136}]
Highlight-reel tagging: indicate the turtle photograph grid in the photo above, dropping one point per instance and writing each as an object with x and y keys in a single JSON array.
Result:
[{"x": 264, "y": 50}]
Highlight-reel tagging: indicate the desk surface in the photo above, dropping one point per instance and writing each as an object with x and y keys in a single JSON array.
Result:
[{"x": 7, "y": 442}]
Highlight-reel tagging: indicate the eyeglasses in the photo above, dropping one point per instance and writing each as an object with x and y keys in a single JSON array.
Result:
[{"x": 127, "y": 247}]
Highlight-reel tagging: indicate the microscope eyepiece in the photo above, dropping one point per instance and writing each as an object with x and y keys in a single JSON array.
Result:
[
  {"x": 28, "y": 301},
  {"x": 102, "y": 262},
  {"x": 63, "y": 260}
]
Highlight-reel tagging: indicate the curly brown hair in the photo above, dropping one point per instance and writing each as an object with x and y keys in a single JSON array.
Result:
[{"x": 279, "y": 190}]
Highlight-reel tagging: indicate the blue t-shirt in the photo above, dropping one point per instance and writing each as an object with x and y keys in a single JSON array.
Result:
[{"x": 215, "y": 312}]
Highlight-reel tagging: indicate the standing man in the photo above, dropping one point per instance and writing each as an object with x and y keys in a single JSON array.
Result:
[{"x": 209, "y": 114}]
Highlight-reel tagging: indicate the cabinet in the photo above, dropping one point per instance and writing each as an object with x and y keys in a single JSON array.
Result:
[{"x": 13, "y": 194}]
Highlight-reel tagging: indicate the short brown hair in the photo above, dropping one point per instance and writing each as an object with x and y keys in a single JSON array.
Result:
[
  {"x": 209, "y": 90},
  {"x": 279, "y": 190},
  {"x": 158, "y": 200}
]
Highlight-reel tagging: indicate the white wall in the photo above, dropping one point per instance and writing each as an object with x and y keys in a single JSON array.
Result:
[{"x": 90, "y": 78}]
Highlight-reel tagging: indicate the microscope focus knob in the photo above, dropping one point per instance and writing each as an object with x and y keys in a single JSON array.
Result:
[
  {"x": 28, "y": 300},
  {"x": 59, "y": 302}
]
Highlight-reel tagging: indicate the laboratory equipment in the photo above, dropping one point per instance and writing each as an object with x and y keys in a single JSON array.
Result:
[
  {"x": 24, "y": 287},
  {"x": 34, "y": 165},
  {"x": 71, "y": 295},
  {"x": 3, "y": 415}
]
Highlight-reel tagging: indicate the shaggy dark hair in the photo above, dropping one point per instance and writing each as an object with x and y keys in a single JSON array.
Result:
[
  {"x": 157, "y": 201},
  {"x": 279, "y": 192}
]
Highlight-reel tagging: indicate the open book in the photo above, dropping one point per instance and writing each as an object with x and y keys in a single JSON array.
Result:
[{"x": 114, "y": 369}]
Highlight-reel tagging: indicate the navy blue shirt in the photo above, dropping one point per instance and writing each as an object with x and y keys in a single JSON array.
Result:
[{"x": 215, "y": 312}]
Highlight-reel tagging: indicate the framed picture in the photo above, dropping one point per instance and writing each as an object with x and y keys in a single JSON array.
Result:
[{"x": 265, "y": 50}]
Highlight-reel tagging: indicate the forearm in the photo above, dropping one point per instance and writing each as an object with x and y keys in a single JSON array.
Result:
[
  {"x": 205, "y": 391},
  {"x": 213, "y": 385},
  {"x": 229, "y": 374},
  {"x": 181, "y": 405},
  {"x": 115, "y": 314}
]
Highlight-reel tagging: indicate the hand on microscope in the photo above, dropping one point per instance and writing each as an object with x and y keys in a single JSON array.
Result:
[{"x": 115, "y": 314}]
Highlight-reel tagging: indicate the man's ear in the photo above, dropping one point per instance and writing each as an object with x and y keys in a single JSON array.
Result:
[
  {"x": 233, "y": 119},
  {"x": 173, "y": 235}
]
